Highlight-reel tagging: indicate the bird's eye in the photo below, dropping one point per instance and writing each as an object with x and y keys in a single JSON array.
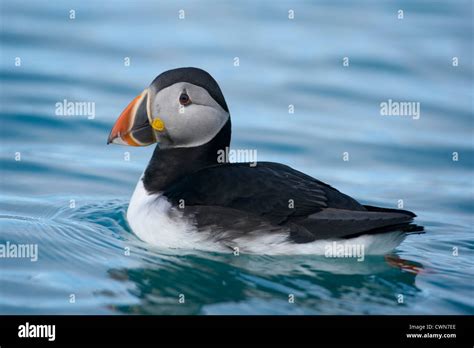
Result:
[{"x": 184, "y": 99}]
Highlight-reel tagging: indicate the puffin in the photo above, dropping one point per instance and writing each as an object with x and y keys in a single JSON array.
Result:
[{"x": 188, "y": 197}]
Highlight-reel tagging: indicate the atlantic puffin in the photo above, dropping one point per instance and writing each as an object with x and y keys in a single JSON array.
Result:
[{"x": 188, "y": 197}]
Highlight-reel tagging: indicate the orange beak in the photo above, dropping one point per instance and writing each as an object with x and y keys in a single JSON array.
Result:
[{"x": 133, "y": 126}]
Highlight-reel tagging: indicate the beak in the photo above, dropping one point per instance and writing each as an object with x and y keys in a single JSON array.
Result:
[{"x": 133, "y": 126}]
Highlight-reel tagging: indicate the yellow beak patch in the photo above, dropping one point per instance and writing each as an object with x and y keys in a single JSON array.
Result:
[{"x": 158, "y": 124}]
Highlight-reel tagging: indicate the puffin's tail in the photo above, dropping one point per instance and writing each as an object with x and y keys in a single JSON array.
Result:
[
  {"x": 388, "y": 210},
  {"x": 407, "y": 228}
]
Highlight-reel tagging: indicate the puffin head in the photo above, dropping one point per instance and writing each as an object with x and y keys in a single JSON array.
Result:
[{"x": 181, "y": 108}]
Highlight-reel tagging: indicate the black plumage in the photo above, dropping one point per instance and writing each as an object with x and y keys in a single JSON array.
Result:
[
  {"x": 272, "y": 197},
  {"x": 195, "y": 76}
]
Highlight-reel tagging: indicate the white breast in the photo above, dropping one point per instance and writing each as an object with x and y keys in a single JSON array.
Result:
[{"x": 155, "y": 221}]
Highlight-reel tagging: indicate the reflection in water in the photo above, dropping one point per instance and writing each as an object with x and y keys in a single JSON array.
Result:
[{"x": 220, "y": 280}]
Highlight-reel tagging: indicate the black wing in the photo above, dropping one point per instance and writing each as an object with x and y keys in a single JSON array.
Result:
[{"x": 280, "y": 196}]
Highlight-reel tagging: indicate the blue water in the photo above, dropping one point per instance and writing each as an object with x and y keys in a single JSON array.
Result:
[{"x": 89, "y": 250}]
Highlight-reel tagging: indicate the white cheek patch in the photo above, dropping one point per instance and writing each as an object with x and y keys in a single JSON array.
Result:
[
  {"x": 199, "y": 125},
  {"x": 192, "y": 125}
]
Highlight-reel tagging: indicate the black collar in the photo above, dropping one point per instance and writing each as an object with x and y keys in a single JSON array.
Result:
[{"x": 169, "y": 165}]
